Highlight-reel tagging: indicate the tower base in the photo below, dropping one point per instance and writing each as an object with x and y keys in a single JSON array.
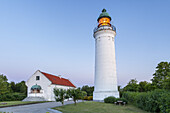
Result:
[{"x": 101, "y": 95}]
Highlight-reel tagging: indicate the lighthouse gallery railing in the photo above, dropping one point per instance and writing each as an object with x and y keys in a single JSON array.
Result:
[{"x": 104, "y": 27}]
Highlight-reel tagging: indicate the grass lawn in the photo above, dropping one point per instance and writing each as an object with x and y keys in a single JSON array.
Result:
[
  {"x": 98, "y": 107},
  {"x": 10, "y": 103}
]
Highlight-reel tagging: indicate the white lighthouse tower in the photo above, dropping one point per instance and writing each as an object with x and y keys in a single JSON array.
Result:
[{"x": 105, "y": 63}]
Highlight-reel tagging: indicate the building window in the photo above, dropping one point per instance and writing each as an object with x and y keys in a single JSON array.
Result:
[{"x": 37, "y": 77}]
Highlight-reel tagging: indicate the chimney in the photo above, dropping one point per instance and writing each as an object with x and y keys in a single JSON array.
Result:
[{"x": 59, "y": 76}]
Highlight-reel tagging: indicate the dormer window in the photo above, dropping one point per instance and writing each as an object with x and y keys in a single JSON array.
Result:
[{"x": 37, "y": 77}]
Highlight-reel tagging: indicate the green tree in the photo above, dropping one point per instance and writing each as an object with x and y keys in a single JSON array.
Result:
[
  {"x": 120, "y": 91},
  {"x": 75, "y": 94},
  {"x": 4, "y": 85},
  {"x": 88, "y": 89},
  {"x": 142, "y": 86},
  {"x": 21, "y": 87},
  {"x": 13, "y": 87},
  {"x": 60, "y": 95},
  {"x": 83, "y": 94},
  {"x": 131, "y": 86},
  {"x": 166, "y": 83},
  {"x": 161, "y": 77},
  {"x": 149, "y": 87}
]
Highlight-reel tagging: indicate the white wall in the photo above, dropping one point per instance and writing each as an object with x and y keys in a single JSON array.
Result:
[
  {"x": 46, "y": 85},
  {"x": 105, "y": 65},
  {"x": 44, "y": 82}
]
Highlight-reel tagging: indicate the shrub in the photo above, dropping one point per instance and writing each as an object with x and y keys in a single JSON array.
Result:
[
  {"x": 110, "y": 99},
  {"x": 130, "y": 96},
  {"x": 85, "y": 97},
  {"x": 164, "y": 102},
  {"x": 148, "y": 101},
  {"x": 140, "y": 100},
  {"x": 12, "y": 97},
  {"x": 154, "y": 101},
  {"x": 90, "y": 98}
]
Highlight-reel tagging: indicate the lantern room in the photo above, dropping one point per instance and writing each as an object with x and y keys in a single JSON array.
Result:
[{"x": 104, "y": 19}]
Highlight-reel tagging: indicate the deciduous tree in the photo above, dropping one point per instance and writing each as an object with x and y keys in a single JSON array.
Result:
[
  {"x": 88, "y": 89},
  {"x": 132, "y": 86},
  {"x": 60, "y": 95},
  {"x": 161, "y": 77},
  {"x": 75, "y": 94},
  {"x": 83, "y": 94},
  {"x": 4, "y": 85},
  {"x": 142, "y": 86}
]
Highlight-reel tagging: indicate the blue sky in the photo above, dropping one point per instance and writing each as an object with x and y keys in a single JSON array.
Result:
[{"x": 57, "y": 37}]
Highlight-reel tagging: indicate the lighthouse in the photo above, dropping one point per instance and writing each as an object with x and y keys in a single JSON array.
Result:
[{"x": 105, "y": 83}]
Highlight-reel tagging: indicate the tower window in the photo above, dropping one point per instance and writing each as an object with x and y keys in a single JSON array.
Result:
[{"x": 37, "y": 77}]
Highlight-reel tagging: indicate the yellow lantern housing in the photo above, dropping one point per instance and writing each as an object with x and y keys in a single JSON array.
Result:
[
  {"x": 104, "y": 18},
  {"x": 104, "y": 21}
]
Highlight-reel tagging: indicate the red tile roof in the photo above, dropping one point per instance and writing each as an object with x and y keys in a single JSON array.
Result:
[{"x": 58, "y": 80}]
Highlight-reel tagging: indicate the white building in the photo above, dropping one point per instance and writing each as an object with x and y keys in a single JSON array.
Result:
[
  {"x": 41, "y": 85},
  {"x": 105, "y": 63}
]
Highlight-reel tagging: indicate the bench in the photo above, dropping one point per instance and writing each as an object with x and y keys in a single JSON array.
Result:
[{"x": 120, "y": 103}]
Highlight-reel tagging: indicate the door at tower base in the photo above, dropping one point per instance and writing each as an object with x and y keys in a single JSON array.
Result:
[{"x": 101, "y": 95}]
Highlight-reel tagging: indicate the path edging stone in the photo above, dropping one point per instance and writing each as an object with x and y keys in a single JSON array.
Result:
[{"x": 55, "y": 111}]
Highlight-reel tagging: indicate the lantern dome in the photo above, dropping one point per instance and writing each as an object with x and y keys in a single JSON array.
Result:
[{"x": 104, "y": 14}]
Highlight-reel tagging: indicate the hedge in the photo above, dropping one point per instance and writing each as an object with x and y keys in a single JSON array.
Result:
[
  {"x": 12, "y": 97},
  {"x": 154, "y": 101}
]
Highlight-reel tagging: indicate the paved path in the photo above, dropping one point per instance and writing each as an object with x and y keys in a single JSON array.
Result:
[{"x": 34, "y": 108}]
